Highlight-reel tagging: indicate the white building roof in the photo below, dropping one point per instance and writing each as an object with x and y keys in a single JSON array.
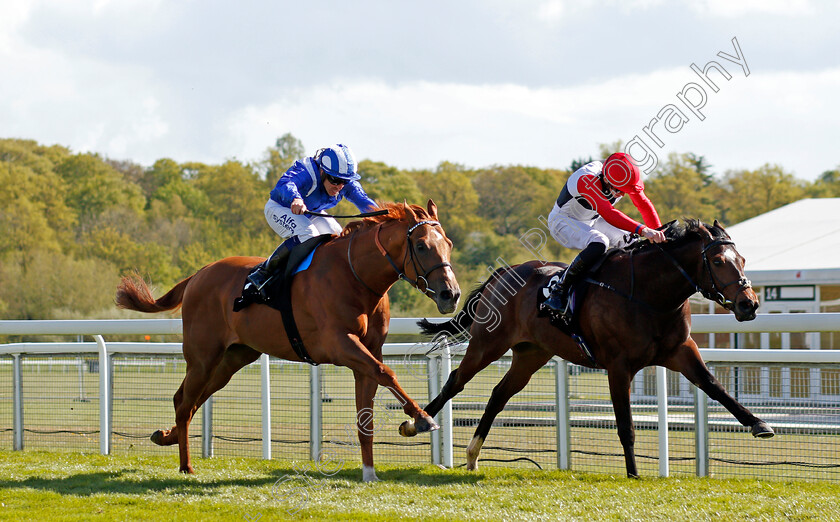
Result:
[{"x": 795, "y": 244}]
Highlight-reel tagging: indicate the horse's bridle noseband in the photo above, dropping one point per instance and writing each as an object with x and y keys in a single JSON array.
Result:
[
  {"x": 409, "y": 255},
  {"x": 715, "y": 293}
]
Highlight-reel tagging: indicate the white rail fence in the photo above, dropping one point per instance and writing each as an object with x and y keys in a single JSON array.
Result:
[{"x": 439, "y": 364}]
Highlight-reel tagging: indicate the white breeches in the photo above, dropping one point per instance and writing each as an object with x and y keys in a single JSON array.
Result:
[
  {"x": 285, "y": 224},
  {"x": 572, "y": 233}
]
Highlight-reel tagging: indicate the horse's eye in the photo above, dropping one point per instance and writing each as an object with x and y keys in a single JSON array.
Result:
[
  {"x": 717, "y": 262},
  {"x": 420, "y": 247}
]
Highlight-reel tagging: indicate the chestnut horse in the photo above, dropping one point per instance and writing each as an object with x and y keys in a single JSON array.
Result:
[
  {"x": 635, "y": 315},
  {"x": 340, "y": 305}
]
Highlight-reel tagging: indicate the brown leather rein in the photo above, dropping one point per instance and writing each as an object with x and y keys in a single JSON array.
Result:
[{"x": 409, "y": 255}]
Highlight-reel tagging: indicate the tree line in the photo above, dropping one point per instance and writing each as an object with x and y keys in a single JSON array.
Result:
[{"x": 72, "y": 223}]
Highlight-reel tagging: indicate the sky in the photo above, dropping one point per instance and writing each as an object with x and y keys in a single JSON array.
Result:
[{"x": 411, "y": 84}]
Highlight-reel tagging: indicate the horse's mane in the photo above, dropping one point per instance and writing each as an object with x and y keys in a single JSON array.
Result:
[
  {"x": 680, "y": 232},
  {"x": 396, "y": 212}
]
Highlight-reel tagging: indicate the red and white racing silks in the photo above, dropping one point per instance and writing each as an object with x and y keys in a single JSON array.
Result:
[{"x": 585, "y": 197}]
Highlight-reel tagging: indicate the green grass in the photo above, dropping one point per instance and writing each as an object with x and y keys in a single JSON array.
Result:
[
  {"x": 143, "y": 403},
  {"x": 61, "y": 487}
]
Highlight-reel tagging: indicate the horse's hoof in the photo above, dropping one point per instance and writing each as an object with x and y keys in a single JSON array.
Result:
[
  {"x": 426, "y": 423},
  {"x": 632, "y": 476},
  {"x": 369, "y": 474},
  {"x": 408, "y": 429},
  {"x": 157, "y": 437},
  {"x": 762, "y": 431},
  {"x": 187, "y": 470},
  {"x": 472, "y": 465}
]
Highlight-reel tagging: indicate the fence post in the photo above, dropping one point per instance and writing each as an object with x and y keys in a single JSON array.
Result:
[
  {"x": 434, "y": 390},
  {"x": 446, "y": 413},
  {"x": 701, "y": 432},
  {"x": 17, "y": 402},
  {"x": 662, "y": 404},
  {"x": 561, "y": 411},
  {"x": 315, "y": 413},
  {"x": 104, "y": 397},
  {"x": 207, "y": 428},
  {"x": 265, "y": 378}
]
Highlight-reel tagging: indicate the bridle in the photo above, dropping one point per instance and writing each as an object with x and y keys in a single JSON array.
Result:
[
  {"x": 410, "y": 254},
  {"x": 716, "y": 292}
]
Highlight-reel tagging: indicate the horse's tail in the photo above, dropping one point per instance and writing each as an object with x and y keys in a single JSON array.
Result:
[
  {"x": 134, "y": 294},
  {"x": 459, "y": 326}
]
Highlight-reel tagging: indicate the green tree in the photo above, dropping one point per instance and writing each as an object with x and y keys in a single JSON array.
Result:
[
  {"x": 511, "y": 198},
  {"x": 52, "y": 285},
  {"x": 384, "y": 183},
  {"x": 679, "y": 190},
  {"x": 236, "y": 197},
  {"x": 579, "y": 162},
  {"x": 451, "y": 188},
  {"x": 93, "y": 186},
  {"x": 748, "y": 193},
  {"x": 827, "y": 185},
  {"x": 277, "y": 159}
]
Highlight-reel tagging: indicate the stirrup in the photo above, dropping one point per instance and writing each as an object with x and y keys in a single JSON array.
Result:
[
  {"x": 566, "y": 312},
  {"x": 556, "y": 295},
  {"x": 258, "y": 285}
]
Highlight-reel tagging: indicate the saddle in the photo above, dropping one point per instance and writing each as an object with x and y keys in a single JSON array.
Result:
[
  {"x": 279, "y": 291},
  {"x": 577, "y": 294}
]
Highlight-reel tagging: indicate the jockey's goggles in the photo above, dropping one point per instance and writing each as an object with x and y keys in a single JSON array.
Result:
[{"x": 334, "y": 180}]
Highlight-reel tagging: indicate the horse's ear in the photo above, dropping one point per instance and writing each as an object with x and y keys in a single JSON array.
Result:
[
  {"x": 408, "y": 211},
  {"x": 432, "y": 208},
  {"x": 718, "y": 225}
]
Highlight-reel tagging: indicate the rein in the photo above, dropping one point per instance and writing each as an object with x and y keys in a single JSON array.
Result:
[
  {"x": 716, "y": 293},
  {"x": 362, "y": 215},
  {"x": 409, "y": 255}
]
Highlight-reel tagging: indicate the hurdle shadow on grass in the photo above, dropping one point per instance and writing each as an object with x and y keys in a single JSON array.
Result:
[
  {"x": 417, "y": 476},
  {"x": 129, "y": 481},
  {"x": 126, "y": 482}
]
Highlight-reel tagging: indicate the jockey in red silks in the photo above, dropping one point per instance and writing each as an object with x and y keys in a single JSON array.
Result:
[{"x": 584, "y": 217}]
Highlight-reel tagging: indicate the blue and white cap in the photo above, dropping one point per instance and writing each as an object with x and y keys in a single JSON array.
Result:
[{"x": 338, "y": 161}]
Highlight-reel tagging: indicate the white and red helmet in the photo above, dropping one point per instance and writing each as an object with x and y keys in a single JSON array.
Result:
[{"x": 621, "y": 172}]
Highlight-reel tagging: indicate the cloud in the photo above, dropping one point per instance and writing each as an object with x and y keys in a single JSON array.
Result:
[
  {"x": 750, "y": 121},
  {"x": 551, "y": 10},
  {"x": 526, "y": 84},
  {"x": 740, "y": 8}
]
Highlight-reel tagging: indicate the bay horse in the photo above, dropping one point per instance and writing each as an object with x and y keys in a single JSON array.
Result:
[
  {"x": 636, "y": 314},
  {"x": 340, "y": 305}
]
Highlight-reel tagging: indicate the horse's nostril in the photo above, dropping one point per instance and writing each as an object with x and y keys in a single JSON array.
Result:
[{"x": 446, "y": 294}]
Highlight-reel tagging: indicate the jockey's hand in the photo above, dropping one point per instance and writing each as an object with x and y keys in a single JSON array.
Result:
[
  {"x": 298, "y": 206},
  {"x": 654, "y": 235}
]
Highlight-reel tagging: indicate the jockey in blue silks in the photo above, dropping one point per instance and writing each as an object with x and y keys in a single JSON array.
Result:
[{"x": 315, "y": 184}]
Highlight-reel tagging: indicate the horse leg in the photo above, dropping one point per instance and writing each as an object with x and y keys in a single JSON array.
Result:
[
  {"x": 233, "y": 360},
  {"x": 170, "y": 436},
  {"x": 474, "y": 361},
  {"x": 686, "y": 360},
  {"x": 365, "y": 391},
  {"x": 358, "y": 358},
  {"x": 524, "y": 364},
  {"x": 192, "y": 387},
  {"x": 619, "y": 381}
]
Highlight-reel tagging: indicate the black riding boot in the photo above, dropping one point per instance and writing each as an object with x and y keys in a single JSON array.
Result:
[
  {"x": 267, "y": 270},
  {"x": 558, "y": 300}
]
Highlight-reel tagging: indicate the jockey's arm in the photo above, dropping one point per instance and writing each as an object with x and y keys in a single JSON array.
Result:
[
  {"x": 290, "y": 185},
  {"x": 649, "y": 215},
  {"x": 605, "y": 209},
  {"x": 356, "y": 194}
]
